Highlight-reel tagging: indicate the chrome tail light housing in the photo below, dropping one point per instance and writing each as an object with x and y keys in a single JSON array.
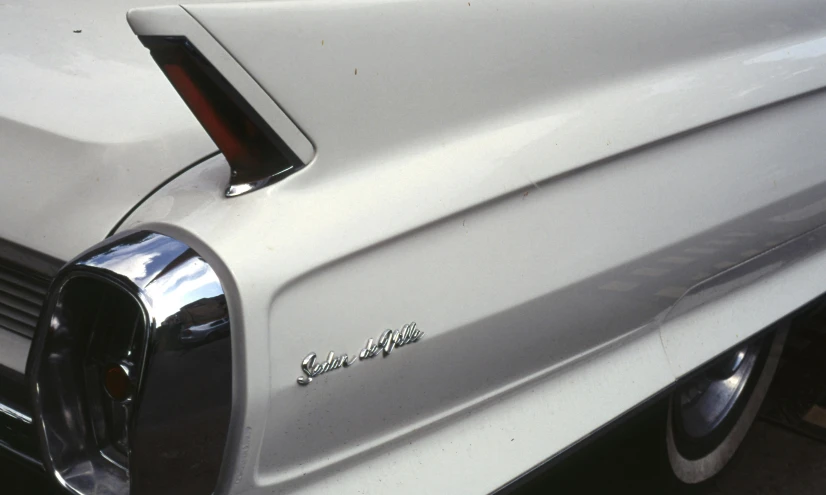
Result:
[{"x": 131, "y": 370}]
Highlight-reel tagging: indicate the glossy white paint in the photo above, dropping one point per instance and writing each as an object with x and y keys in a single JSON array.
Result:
[
  {"x": 572, "y": 209},
  {"x": 561, "y": 85},
  {"x": 741, "y": 301},
  {"x": 88, "y": 125}
]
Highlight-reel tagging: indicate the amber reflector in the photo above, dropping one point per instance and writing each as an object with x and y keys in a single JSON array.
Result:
[
  {"x": 254, "y": 152},
  {"x": 117, "y": 383}
]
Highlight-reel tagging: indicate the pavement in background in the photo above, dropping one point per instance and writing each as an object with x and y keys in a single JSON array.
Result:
[{"x": 772, "y": 461}]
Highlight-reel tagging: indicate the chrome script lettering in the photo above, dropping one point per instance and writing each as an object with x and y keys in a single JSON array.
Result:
[
  {"x": 309, "y": 366},
  {"x": 387, "y": 341}
]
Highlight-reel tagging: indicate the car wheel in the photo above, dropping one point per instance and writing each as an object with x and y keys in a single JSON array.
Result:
[{"x": 710, "y": 414}]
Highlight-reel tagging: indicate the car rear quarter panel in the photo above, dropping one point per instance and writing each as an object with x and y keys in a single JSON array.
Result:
[
  {"x": 88, "y": 125},
  {"x": 555, "y": 193}
]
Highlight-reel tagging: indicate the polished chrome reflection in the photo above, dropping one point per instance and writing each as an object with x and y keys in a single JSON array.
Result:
[
  {"x": 388, "y": 341},
  {"x": 132, "y": 370},
  {"x": 14, "y": 414},
  {"x": 17, "y": 436},
  {"x": 239, "y": 188},
  {"x": 708, "y": 399}
]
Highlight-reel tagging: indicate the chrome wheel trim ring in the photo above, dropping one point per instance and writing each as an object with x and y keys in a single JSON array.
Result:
[
  {"x": 708, "y": 399},
  {"x": 694, "y": 471}
]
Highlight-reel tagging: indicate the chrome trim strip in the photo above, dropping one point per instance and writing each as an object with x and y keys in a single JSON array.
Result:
[
  {"x": 181, "y": 413},
  {"x": 17, "y": 435},
  {"x": 19, "y": 454},
  {"x": 14, "y": 414},
  {"x": 239, "y": 188}
]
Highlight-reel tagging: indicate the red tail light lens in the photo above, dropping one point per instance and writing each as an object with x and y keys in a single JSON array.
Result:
[
  {"x": 116, "y": 383},
  {"x": 256, "y": 155}
]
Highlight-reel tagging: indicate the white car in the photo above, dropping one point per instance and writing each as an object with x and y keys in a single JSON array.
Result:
[{"x": 364, "y": 246}]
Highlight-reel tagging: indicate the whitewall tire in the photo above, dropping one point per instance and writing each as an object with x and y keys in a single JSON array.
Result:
[{"x": 710, "y": 415}]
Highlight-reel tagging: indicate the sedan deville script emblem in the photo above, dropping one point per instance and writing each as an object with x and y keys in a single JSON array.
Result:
[{"x": 388, "y": 340}]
